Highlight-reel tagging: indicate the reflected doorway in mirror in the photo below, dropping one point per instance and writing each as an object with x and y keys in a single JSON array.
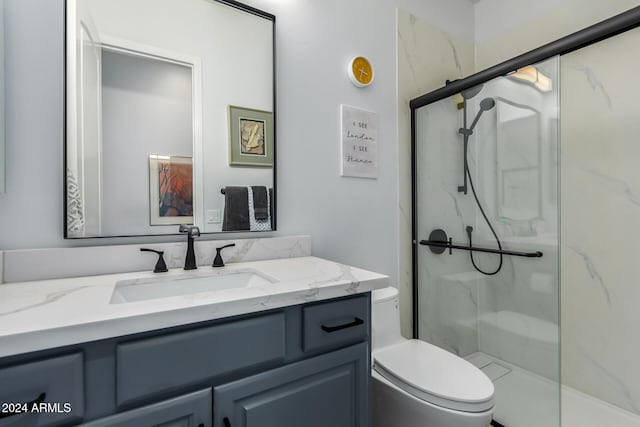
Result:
[{"x": 170, "y": 190}]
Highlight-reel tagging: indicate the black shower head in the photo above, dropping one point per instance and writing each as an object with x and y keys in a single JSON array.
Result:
[{"x": 485, "y": 105}]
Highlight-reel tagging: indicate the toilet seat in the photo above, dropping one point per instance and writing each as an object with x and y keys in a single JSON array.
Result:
[{"x": 435, "y": 375}]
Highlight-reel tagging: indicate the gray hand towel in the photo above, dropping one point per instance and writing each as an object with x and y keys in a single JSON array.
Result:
[
  {"x": 236, "y": 209},
  {"x": 260, "y": 204}
]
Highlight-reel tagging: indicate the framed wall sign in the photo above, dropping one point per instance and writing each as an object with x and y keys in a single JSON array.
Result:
[
  {"x": 359, "y": 142},
  {"x": 250, "y": 137}
]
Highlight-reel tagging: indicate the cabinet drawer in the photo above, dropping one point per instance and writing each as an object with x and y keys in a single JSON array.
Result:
[
  {"x": 169, "y": 362},
  {"x": 336, "y": 323},
  {"x": 55, "y": 386},
  {"x": 190, "y": 410}
]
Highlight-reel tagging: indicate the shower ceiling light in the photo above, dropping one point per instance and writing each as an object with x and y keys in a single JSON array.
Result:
[{"x": 532, "y": 76}]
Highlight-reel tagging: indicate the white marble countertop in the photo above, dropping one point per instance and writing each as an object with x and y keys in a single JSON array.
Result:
[{"x": 53, "y": 313}]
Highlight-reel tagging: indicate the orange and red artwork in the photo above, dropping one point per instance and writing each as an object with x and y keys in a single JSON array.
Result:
[{"x": 172, "y": 178}]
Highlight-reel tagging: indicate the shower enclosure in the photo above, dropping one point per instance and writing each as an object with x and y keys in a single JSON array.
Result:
[
  {"x": 514, "y": 169},
  {"x": 498, "y": 311}
]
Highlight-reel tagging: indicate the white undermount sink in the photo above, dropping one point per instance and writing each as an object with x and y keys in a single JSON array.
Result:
[{"x": 185, "y": 284}]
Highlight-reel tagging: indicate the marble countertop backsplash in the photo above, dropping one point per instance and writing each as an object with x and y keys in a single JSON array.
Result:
[{"x": 41, "y": 264}]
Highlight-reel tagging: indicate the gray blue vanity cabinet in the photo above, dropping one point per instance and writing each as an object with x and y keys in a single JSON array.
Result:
[
  {"x": 27, "y": 388},
  {"x": 152, "y": 366},
  {"x": 191, "y": 410},
  {"x": 328, "y": 390},
  {"x": 304, "y": 365}
]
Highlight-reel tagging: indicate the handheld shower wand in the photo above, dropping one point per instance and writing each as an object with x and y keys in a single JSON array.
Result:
[{"x": 485, "y": 105}]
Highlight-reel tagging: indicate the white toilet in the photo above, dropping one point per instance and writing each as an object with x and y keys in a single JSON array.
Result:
[{"x": 416, "y": 384}]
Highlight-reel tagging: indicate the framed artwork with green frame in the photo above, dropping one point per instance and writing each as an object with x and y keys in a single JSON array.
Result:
[{"x": 250, "y": 137}]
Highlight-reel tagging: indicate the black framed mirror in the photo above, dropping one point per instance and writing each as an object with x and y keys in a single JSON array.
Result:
[{"x": 170, "y": 117}]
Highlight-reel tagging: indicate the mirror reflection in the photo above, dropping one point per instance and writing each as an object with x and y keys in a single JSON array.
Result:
[
  {"x": 169, "y": 117},
  {"x": 519, "y": 175}
]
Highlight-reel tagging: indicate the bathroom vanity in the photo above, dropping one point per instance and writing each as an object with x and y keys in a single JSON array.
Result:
[{"x": 290, "y": 351}]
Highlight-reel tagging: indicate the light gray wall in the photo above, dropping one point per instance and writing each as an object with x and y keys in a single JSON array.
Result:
[
  {"x": 31, "y": 209},
  {"x": 146, "y": 109},
  {"x": 2, "y": 166},
  {"x": 350, "y": 220},
  {"x": 354, "y": 221}
]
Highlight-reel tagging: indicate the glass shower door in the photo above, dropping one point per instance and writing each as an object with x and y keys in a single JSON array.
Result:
[
  {"x": 486, "y": 175},
  {"x": 600, "y": 247}
]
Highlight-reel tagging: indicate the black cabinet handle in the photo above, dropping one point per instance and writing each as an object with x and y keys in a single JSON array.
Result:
[
  {"x": 35, "y": 401},
  {"x": 356, "y": 321},
  {"x": 226, "y": 422}
]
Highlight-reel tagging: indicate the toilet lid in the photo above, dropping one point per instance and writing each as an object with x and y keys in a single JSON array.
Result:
[{"x": 436, "y": 376}]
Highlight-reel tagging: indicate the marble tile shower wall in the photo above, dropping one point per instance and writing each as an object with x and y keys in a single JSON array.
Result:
[
  {"x": 448, "y": 289},
  {"x": 427, "y": 57},
  {"x": 600, "y": 226}
]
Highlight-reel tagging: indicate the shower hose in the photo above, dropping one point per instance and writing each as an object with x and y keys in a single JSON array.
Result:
[{"x": 484, "y": 215}]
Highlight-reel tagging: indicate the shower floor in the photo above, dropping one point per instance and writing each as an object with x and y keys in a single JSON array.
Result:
[{"x": 525, "y": 399}]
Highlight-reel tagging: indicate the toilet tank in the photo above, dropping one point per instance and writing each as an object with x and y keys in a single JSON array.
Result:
[{"x": 385, "y": 315}]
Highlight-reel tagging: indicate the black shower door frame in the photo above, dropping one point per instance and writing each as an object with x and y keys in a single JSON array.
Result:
[{"x": 611, "y": 27}]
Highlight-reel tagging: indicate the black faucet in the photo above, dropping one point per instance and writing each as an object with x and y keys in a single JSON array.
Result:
[
  {"x": 192, "y": 231},
  {"x": 218, "y": 262},
  {"x": 160, "y": 267}
]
